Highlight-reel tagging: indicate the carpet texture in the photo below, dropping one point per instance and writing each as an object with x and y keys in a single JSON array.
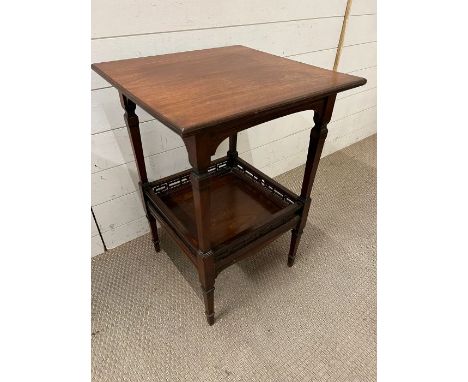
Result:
[{"x": 315, "y": 321}]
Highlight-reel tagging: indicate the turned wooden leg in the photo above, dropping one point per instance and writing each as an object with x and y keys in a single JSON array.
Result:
[
  {"x": 318, "y": 134},
  {"x": 133, "y": 128},
  {"x": 199, "y": 154}
]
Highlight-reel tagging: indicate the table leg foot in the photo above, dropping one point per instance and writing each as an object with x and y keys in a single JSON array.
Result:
[
  {"x": 210, "y": 318},
  {"x": 295, "y": 237},
  {"x": 208, "y": 297},
  {"x": 154, "y": 232},
  {"x": 157, "y": 247}
]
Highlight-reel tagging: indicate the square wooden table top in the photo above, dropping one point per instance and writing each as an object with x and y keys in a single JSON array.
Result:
[{"x": 191, "y": 90}]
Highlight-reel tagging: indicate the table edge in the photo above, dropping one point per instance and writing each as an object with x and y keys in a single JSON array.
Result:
[{"x": 196, "y": 128}]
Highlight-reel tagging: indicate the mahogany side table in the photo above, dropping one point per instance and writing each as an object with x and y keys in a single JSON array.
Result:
[{"x": 220, "y": 212}]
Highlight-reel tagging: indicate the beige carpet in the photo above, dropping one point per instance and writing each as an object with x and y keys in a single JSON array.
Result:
[{"x": 313, "y": 322}]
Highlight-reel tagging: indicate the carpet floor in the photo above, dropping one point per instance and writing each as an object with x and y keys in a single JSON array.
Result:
[{"x": 315, "y": 321}]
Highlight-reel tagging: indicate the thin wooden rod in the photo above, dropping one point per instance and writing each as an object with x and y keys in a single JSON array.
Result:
[
  {"x": 99, "y": 229},
  {"x": 342, "y": 35}
]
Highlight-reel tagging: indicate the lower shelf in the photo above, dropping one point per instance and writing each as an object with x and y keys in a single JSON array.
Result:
[{"x": 244, "y": 205}]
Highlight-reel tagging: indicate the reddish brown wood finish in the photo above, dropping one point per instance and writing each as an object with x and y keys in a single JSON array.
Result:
[
  {"x": 318, "y": 135},
  {"x": 236, "y": 204},
  {"x": 133, "y": 127},
  {"x": 207, "y": 88},
  {"x": 220, "y": 212}
]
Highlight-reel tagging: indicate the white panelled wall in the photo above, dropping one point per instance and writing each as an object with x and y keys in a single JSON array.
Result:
[{"x": 302, "y": 30}]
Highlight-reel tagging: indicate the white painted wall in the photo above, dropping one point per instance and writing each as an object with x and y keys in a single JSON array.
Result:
[
  {"x": 355, "y": 114},
  {"x": 303, "y": 30}
]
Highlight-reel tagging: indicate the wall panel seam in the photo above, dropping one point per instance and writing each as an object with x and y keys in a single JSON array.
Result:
[
  {"x": 360, "y": 43},
  {"x": 360, "y": 92},
  {"x": 117, "y": 197},
  {"x": 312, "y": 51},
  {"x": 101, "y": 88},
  {"x": 367, "y": 67},
  {"x": 349, "y": 115},
  {"x": 362, "y": 14},
  {"x": 215, "y": 27},
  {"x": 124, "y": 224},
  {"x": 132, "y": 161}
]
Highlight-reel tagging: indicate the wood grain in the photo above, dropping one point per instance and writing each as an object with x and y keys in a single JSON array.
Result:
[{"x": 211, "y": 87}]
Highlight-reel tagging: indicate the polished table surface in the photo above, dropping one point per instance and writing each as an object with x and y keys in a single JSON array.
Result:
[{"x": 193, "y": 90}]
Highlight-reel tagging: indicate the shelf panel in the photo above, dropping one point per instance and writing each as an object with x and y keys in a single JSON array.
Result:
[{"x": 242, "y": 200}]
